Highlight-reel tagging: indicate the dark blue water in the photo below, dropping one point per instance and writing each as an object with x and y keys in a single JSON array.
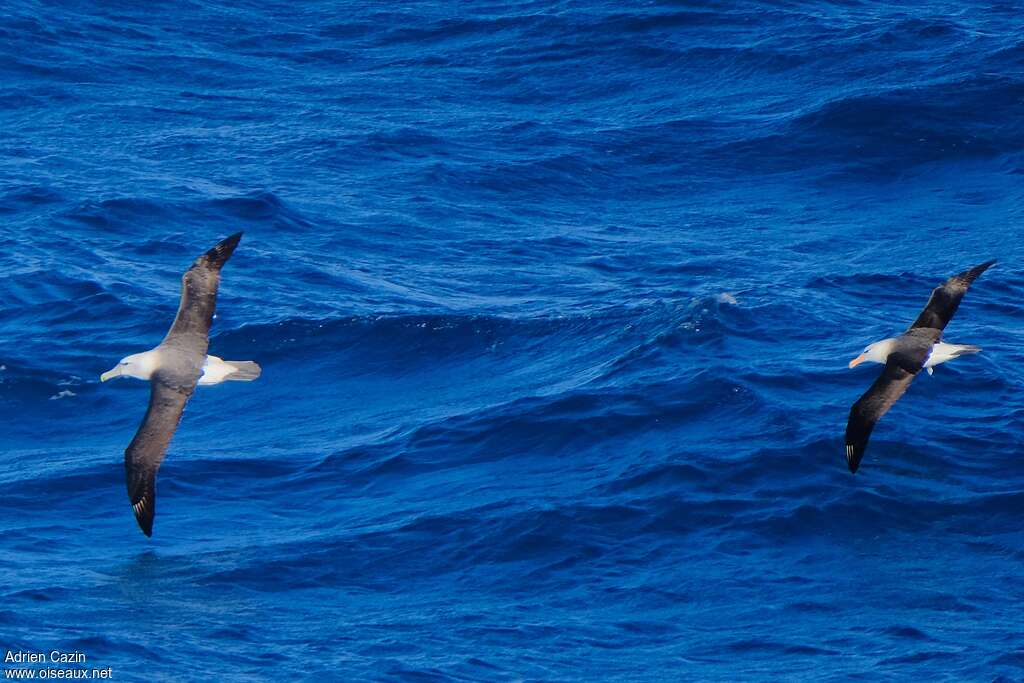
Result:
[{"x": 554, "y": 302}]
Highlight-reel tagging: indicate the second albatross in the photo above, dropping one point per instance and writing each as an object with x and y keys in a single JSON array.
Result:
[{"x": 919, "y": 348}]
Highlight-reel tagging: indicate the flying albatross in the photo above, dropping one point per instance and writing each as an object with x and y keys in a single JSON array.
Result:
[
  {"x": 173, "y": 369},
  {"x": 920, "y": 347}
]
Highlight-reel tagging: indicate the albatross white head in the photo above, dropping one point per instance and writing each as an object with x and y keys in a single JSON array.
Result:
[
  {"x": 138, "y": 365},
  {"x": 874, "y": 353}
]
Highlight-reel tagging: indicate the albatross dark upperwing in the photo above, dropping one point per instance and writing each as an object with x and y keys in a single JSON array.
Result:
[
  {"x": 870, "y": 407},
  {"x": 199, "y": 290},
  {"x": 144, "y": 454},
  {"x": 946, "y": 298}
]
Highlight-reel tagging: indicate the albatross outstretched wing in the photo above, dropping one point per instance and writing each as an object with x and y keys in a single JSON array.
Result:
[
  {"x": 946, "y": 298},
  {"x": 199, "y": 290},
  {"x": 870, "y": 407},
  {"x": 144, "y": 454}
]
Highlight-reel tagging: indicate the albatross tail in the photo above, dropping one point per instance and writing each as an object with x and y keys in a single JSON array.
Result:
[
  {"x": 943, "y": 352},
  {"x": 217, "y": 370},
  {"x": 964, "y": 349},
  {"x": 245, "y": 370}
]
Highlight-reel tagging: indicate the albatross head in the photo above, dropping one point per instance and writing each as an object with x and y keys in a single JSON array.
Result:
[
  {"x": 138, "y": 365},
  {"x": 874, "y": 353}
]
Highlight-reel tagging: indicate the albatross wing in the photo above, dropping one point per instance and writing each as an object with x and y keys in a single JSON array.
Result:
[
  {"x": 144, "y": 454},
  {"x": 199, "y": 291},
  {"x": 946, "y": 298},
  {"x": 869, "y": 408}
]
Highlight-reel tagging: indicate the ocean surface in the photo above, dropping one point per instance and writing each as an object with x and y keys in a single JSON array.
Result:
[{"x": 554, "y": 303}]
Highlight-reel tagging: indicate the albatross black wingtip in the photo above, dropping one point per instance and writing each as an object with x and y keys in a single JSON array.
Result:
[
  {"x": 142, "y": 496},
  {"x": 145, "y": 512},
  {"x": 219, "y": 254},
  {"x": 853, "y": 457},
  {"x": 973, "y": 274}
]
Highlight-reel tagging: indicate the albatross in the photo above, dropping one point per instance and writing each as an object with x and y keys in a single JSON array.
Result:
[
  {"x": 174, "y": 368},
  {"x": 919, "y": 348}
]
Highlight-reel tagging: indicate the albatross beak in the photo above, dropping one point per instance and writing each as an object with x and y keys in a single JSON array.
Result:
[
  {"x": 857, "y": 361},
  {"x": 113, "y": 372}
]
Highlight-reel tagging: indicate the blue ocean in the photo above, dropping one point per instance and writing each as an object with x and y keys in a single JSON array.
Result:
[{"x": 554, "y": 302}]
